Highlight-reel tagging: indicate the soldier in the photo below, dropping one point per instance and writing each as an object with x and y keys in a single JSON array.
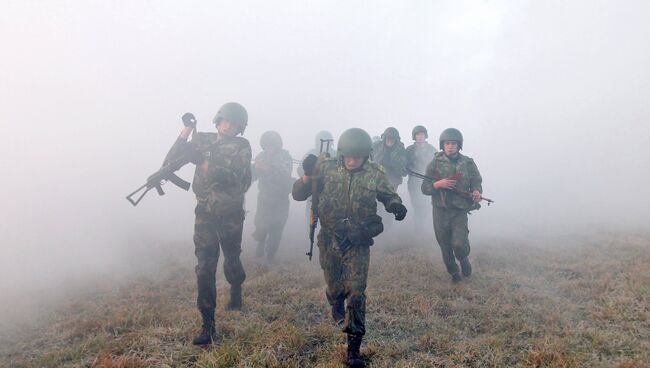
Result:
[
  {"x": 272, "y": 168},
  {"x": 221, "y": 179},
  {"x": 450, "y": 208},
  {"x": 391, "y": 154},
  {"x": 324, "y": 135},
  {"x": 418, "y": 155},
  {"x": 350, "y": 186}
]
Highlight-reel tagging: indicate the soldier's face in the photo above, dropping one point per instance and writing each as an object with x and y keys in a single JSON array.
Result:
[
  {"x": 353, "y": 162},
  {"x": 450, "y": 147},
  {"x": 420, "y": 137},
  {"x": 389, "y": 142},
  {"x": 225, "y": 127}
]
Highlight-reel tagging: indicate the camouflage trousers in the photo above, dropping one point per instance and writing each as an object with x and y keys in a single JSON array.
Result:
[
  {"x": 270, "y": 218},
  {"x": 420, "y": 204},
  {"x": 452, "y": 234},
  {"x": 346, "y": 275},
  {"x": 212, "y": 234}
]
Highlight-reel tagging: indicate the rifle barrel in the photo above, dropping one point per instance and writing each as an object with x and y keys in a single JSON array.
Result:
[{"x": 424, "y": 177}]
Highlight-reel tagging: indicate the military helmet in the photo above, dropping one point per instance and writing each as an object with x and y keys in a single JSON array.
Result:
[
  {"x": 233, "y": 112},
  {"x": 451, "y": 134},
  {"x": 355, "y": 142},
  {"x": 390, "y": 132},
  {"x": 419, "y": 129},
  {"x": 323, "y": 134},
  {"x": 271, "y": 139}
]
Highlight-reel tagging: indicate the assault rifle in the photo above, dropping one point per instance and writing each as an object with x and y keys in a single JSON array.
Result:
[
  {"x": 167, "y": 171},
  {"x": 456, "y": 176},
  {"x": 313, "y": 213}
]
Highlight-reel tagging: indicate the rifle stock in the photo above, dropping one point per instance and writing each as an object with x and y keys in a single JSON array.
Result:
[{"x": 166, "y": 173}]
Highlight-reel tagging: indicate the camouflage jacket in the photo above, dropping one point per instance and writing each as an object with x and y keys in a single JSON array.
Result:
[
  {"x": 442, "y": 167},
  {"x": 223, "y": 176},
  {"x": 418, "y": 157},
  {"x": 348, "y": 195},
  {"x": 393, "y": 159},
  {"x": 273, "y": 170}
]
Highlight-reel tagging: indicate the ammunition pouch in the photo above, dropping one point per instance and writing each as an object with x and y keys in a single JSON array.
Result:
[{"x": 348, "y": 233}]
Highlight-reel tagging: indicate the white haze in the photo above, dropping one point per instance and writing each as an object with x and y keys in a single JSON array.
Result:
[{"x": 552, "y": 98}]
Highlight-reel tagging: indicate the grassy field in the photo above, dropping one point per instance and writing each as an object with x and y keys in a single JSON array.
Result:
[{"x": 562, "y": 302}]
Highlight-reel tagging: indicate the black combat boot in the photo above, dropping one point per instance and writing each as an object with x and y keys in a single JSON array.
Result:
[
  {"x": 354, "y": 354},
  {"x": 208, "y": 332},
  {"x": 466, "y": 267},
  {"x": 455, "y": 278},
  {"x": 338, "y": 311},
  {"x": 235, "y": 297}
]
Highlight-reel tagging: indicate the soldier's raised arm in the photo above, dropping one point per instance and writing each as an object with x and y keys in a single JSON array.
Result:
[
  {"x": 302, "y": 187},
  {"x": 180, "y": 146}
]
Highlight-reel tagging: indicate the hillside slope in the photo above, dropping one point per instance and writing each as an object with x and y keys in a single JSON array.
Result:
[{"x": 562, "y": 303}]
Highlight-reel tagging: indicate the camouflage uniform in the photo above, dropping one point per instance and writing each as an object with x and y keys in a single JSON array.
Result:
[
  {"x": 272, "y": 199},
  {"x": 220, "y": 183},
  {"x": 348, "y": 202},
  {"x": 449, "y": 208},
  {"x": 393, "y": 159},
  {"x": 417, "y": 158}
]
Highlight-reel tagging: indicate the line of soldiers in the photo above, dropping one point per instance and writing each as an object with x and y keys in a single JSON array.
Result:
[{"x": 349, "y": 184}]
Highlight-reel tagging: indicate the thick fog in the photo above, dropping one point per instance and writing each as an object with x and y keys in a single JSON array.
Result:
[{"x": 552, "y": 98}]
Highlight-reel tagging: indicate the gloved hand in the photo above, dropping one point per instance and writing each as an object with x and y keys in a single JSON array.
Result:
[
  {"x": 341, "y": 229},
  {"x": 399, "y": 210},
  {"x": 189, "y": 120},
  {"x": 309, "y": 164}
]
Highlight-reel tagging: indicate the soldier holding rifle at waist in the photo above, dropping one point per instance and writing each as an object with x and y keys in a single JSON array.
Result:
[{"x": 454, "y": 184}]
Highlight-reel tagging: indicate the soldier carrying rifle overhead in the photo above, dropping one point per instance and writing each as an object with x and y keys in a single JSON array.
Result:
[
  {"x": 349, "y": 187},
  {"x": 221, "y": 179}
]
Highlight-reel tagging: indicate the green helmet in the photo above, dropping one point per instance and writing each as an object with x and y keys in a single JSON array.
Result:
[
  {"x": 355, "y": 142},
  {"x": 271, "y": 139},
  {"x": 233, "y": 112},
  {"x": 419, "y": 129},
  {"x": 323, "y": 134},
  {"x": 451, "y": 134},
  {"x": 390, "y": 132}
]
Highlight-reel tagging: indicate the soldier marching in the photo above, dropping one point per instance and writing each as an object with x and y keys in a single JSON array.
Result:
[{"x": 348, "y": 185}]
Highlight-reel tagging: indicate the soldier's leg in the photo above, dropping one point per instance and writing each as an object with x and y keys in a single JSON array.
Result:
[
  {"x": 261, "y": 228},
  {"x": 460, "y": 240},
  {"x": 330, "y": 262},
  {"x": 355, "y": 279},
  {"x": 276, "y": 228},
  {"x": 230, "y": 236},
  {"x": 206, "y": 249},
  {"x": 355, "y": 264},
  {"x": 442, "y": 229},
  {"x": 418, "y": 204}
]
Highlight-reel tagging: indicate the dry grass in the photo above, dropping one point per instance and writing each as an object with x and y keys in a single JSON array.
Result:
[{"x": 544, "y": 305}]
